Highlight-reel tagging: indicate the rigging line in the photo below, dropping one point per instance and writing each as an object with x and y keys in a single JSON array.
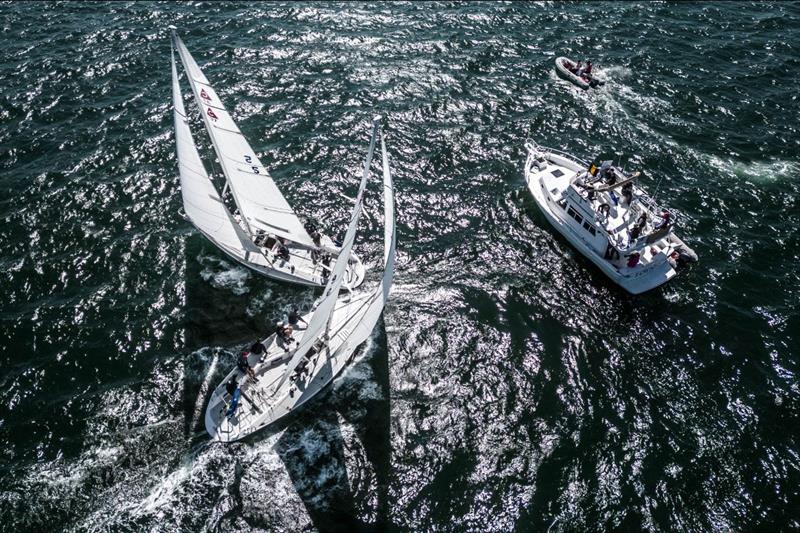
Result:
[{"x": 658, "y": 186}]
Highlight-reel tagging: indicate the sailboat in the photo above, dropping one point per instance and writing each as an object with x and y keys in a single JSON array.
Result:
[
  {"x": 281, "y": 373},
  {"x": 263, "y": 233}
]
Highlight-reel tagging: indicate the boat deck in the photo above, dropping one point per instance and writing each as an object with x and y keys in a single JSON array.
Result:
[
  {"x": 303, "y": 264},
  {"x": 569, "y": 209},
  {"x": 269, "y": 404}
]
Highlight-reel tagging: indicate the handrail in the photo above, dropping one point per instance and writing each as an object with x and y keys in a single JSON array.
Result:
[
  {"x": 534, "y": 146},
  {"x": 652, "y": 205}
]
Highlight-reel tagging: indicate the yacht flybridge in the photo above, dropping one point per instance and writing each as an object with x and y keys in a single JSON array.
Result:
[
  {"x": 263, "y": 233},
  {"x": 287, "y": 369},
  {"x": 607, "y": 217}
]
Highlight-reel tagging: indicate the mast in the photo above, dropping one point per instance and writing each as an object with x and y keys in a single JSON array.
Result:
[{"x": 320, "y": 320}]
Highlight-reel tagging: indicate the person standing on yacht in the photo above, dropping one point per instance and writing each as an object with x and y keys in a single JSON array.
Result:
[
  {"x": 665, "y": 220},
  {"x": 295, "y": 318},
  {"x": 244, "y": 365}
]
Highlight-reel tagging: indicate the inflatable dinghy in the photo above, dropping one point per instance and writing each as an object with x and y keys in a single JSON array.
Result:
[{"x": 563, "y": 65}]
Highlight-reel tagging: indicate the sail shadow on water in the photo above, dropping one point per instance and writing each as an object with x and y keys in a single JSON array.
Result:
[{"x": 337, "y": 450}]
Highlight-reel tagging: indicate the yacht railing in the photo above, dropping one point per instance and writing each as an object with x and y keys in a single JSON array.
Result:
[
  {"x": 645, "y": 201},
  {"x": 651, "y": 205},
  {"x": 532, "y": 146}
]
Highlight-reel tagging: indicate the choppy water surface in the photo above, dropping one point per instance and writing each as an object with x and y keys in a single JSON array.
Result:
[{"x": 510, "y": 386}]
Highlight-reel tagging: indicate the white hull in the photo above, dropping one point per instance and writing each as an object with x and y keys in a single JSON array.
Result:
[
  {"x": 274, "y": 405},
  {"x": 564, "y": 73},
  {"x": 653, "y": 271}
]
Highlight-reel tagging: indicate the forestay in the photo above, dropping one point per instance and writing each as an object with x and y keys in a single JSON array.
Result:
[
  {"x": 201, "y": 202},
  {"x": 319, "y": 320},
  {"x": 260, "y": 202}
]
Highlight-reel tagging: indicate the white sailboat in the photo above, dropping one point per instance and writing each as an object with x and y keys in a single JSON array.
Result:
[
  {"x": 269, "y": 236},
  {"x": 292, "y": 370}
]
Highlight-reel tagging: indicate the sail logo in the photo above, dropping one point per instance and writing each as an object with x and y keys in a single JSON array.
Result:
[
  {"x": 204, "y": 95},
  {"x": 211, "y": 114}
]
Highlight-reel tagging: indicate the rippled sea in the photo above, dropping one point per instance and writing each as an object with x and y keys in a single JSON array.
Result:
[{"x": 510, "y": 386}]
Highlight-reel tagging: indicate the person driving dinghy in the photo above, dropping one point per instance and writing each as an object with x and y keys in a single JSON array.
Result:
[{"x": 585, "y": 73}]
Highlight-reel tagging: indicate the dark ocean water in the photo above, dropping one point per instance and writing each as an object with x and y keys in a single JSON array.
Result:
[{"x": 510, "y": 385}]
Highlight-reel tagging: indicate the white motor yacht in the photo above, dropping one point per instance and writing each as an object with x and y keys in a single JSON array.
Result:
[{"x": 607, "y": 217}]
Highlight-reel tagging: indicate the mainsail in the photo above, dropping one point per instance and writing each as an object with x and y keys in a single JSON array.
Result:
[
  {"x": 201, "y": 202},
  {"x": 319, "y": 320},
  {"x": 259, "y": 200}
]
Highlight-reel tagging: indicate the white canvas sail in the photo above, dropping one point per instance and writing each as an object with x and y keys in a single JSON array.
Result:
[
  {"x": 366, "y": 325},
  {"x": 319, "y": 320},
  {"x": 260, "y": 202},
  {"x": 201, "y": 202}
]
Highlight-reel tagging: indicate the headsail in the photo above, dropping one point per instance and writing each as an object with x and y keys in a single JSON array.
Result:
[
  {"x": 201, "y": 201},
  {"x": 319, "y": 320},
  {"x": 366, "y": 325},
  {"x": 260, "y": 202},
  {"x": 389, "y": 230}
]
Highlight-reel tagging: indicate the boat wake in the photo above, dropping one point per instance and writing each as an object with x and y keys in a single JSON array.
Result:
[
  {"x": 759, "y": 172},
  {"x": 223, "y": 275},
  {"x": 613, "y": 73}
]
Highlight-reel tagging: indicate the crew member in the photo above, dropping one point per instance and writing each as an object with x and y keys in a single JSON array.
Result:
[
  {"x": 244, "y": 365},
  {"x": 295, "y": 318},
  {"x": 665, "y": 220}
]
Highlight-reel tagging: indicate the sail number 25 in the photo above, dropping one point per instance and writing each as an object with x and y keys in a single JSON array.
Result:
[{"x": 249, "y": 161}]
